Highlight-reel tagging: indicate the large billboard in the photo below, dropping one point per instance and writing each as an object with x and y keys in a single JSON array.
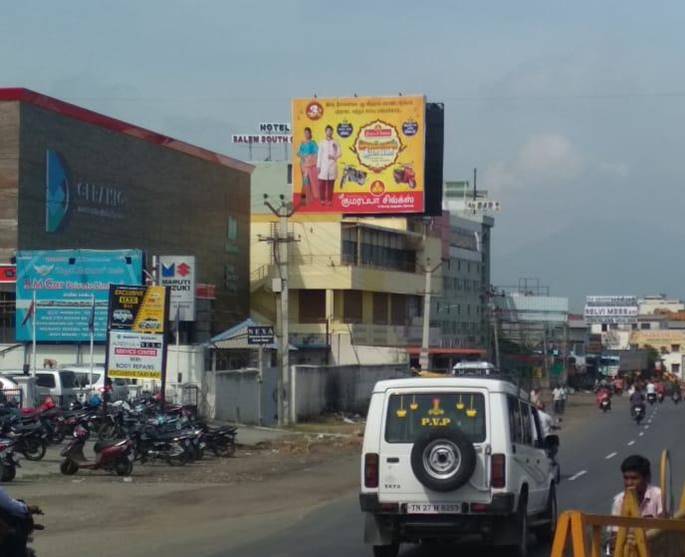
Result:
[
  {"x": 359, "y": 155},
  {"x": 69, "y": 286},
  {"x": 611, "y": 309}
]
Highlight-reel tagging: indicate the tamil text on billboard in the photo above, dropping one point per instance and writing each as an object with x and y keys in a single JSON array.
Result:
[
  {"x": 67, "y": 284},
  {"x": 611, "y": 309},
  {"x": 359, "y": 155}
]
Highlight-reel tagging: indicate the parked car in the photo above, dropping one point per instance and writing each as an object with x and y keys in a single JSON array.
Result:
[
  {"x": 120, "y": 389},
  {"x": 58, "y": 384},
  {"x": 444, "y": 458}
]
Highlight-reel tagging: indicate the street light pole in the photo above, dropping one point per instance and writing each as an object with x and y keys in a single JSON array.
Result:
[{"x": 425, "y": 337}]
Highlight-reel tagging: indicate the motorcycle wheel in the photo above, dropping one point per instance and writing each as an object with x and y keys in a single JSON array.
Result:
[
  {"x": 68, "y": 467},
  {"x": 9, "y": 471},
  {"x": 180, "y": 460},
  {"x": 123, "y": 467},
  {"x": 225, "y": 450},
  {"x": 58, "y": 436},
  {"x": 34, "y": 449}
]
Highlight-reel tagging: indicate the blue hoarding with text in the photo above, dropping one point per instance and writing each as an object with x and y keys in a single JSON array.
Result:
[{"x": 66, "y": 283}]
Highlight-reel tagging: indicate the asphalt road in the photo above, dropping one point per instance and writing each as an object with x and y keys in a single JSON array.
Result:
[{"x": 590, "y": 458}]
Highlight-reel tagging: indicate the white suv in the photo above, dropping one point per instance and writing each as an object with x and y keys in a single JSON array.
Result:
[{"x": 448, "y": 458}]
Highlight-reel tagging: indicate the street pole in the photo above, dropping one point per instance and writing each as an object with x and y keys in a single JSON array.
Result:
[
  {"x": 493, "y": 313},
  {"x": 281, "y": 241},
  {"x": 92, "y": 339},
  {"x": 34, "y": 317},
  {"x": 260, "y": 365},
  {"x": 425, "y": 337},
  {"x": 285, "y": 362}
]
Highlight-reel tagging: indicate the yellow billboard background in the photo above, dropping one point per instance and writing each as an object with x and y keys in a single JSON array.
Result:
[
  {"x": 380, "y": 168},
  {"x": 151, "y": 316}
]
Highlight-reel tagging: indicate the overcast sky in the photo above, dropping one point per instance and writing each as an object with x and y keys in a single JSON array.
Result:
[{"x": 573, "y": 112}]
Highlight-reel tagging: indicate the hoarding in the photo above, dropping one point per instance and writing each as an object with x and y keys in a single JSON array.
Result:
[
  {"x": 260, "y": 335},
  {"x": 178, "y": 273},
  {"x": 137, "y": 317},
  {"x": 611, "y": 309},
  {"x": 359, "y": 155},
  {"x": 139, "y": 309},
  {"x": 8, "y": 274},
  {"x": 66, "y": 282},
  {"x": 135, "y": 355}
]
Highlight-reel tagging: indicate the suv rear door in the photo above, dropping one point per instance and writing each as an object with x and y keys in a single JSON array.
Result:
[
  {"x": 409, "y": 414},
  {"x": 528, "y": 463}
]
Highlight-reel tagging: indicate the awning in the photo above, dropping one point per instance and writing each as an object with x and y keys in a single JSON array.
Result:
[{"x": 438, "y": 351}]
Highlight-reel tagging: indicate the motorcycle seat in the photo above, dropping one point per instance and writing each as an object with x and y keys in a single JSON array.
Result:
[{"x": 102, "y": 445}]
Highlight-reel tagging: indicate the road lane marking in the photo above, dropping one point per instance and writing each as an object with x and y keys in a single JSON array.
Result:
[
  {"x": 641, "y": 434},
  {"x": 646, "y": 427},
  {"x": 610, "y": 456},
  {"x": 578, "y": 475},
  {"x": 631, "y": 443}
]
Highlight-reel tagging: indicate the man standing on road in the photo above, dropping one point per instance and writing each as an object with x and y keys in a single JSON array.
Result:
[
  {"x": 13, "y": 516},
  {"x": 637, "y": 474},
  {"x": 557, "y": 398}
]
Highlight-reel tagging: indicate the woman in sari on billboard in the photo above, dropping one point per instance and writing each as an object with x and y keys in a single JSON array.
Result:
[{"x": 308, "y": 152}]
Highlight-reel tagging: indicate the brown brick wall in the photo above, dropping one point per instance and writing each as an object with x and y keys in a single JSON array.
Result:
[
  {"x": 9, "y": 177},
  {"x": 175, "y": 203}
]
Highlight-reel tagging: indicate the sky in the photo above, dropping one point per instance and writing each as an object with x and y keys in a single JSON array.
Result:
[{"x": 572, "y": 111}]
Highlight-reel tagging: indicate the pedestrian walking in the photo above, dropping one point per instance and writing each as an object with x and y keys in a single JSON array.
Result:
[
  {"x": 556, "y": 398},
  {"x": 564, "y": 398}
]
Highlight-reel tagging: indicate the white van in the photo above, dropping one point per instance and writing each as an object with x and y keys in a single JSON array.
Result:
[
  {"x": 447, "y": 458},
  {"x": 60, "y": 385},
  {"x": 120, "y": 389}
]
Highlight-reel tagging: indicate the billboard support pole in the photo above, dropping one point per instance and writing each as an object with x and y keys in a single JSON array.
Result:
[
  {"x": 92, "y": 340},
  {"x": 33, "y": 335}
]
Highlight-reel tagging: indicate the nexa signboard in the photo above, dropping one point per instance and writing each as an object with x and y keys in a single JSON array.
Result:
[{"x": 67, "y": 193}]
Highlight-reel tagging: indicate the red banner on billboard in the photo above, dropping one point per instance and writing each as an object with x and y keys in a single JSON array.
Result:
[{"x": 8, "y": 274}]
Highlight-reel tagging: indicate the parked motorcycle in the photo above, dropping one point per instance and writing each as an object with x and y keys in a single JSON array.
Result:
[
  {"x": 405, "y": 174},
  {"x": 8, "y": 462},
  {"x": 30, "y": 439},
  {"x": 114, "y": 456},
  {"x": 219, "y": 440},
  {"x": 148, "y": 445}
]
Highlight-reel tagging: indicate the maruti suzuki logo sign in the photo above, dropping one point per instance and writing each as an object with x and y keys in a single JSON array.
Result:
[
  {"x": 183, "y": 269},
  {"x": 82, "y": 196},
  {"x": 178, "y": 274}
]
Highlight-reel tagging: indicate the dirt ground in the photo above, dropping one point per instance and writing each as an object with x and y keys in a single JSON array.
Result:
[{"x": 180, "y": 510}]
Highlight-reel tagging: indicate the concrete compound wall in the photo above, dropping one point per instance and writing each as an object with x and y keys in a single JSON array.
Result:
[
  {"x": 339, "y": 388},
  {"x": 237, "y": 395}
]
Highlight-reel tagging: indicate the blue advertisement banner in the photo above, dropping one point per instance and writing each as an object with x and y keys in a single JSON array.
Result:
[{"x": 71, "y": 291}]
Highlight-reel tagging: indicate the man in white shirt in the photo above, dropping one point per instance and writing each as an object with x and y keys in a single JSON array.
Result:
[
  {"x": 651, "y": 388},
  {"x": 557, "y": 396},
  {"x": 327, "y": 165}
]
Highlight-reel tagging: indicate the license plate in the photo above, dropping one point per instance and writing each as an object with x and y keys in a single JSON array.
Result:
[{"x": 433, "y": 508}]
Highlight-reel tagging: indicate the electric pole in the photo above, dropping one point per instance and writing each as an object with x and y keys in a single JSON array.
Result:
[
  {"x": 425, "y": 338},
  {"x": 280, "y": 242}
]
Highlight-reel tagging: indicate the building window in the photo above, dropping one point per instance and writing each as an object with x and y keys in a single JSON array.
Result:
[
  {"x": 614, "y": 326},
  {"x": 232, "y": 229},
  {"x": 675, "y": 347},
  {"x": 605, "y": 328},
  {"x": 398, "y": 309},
  {"x": 352, "y": 306},
  {"x": 634, "y": 326},
  {"x": 312, "y": 304},
  {"x": 380, "y": 308},
  {"x": 675, "y": 368},
  {"x": 645, "y": 326}
]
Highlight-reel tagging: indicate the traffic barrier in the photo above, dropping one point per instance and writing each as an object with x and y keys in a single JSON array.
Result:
[{"x": 634, "y": 536}]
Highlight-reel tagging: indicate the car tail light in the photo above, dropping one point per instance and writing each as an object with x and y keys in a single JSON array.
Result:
[
  {"x": 498, "y": 475},
  {"x": 479, "y": 508},
  {"x": 371, "y": 470}
]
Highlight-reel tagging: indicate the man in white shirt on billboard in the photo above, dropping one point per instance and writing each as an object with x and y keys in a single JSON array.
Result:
[{"x": 327, "y": 163}]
